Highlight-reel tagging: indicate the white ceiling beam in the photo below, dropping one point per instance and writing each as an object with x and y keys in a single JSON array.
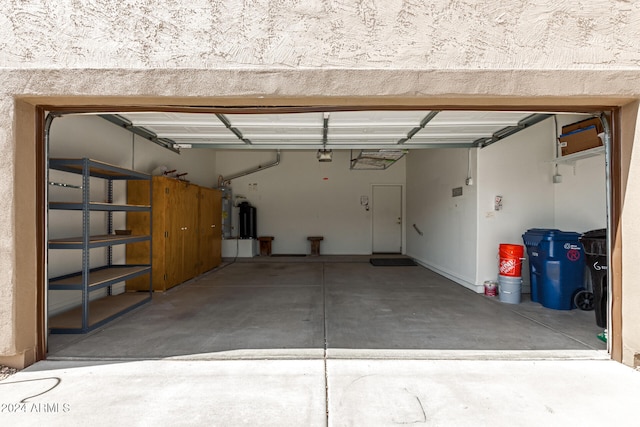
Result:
[
  {"x": 273, "y": 136},
  {"x": 186, "y": 124},
  {"x": 448, "y": 135},
  {"x": 195, "y": 136},
  {"x": 320, "y": 146}
]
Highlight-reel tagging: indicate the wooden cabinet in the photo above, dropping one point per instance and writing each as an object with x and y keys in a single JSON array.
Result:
[{"x": 179, "y": 215}]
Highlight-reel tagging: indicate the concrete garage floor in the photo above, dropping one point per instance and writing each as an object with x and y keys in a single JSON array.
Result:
[
  {"x": 327, "y": 343},
  {"x": 279, "y": 307}
]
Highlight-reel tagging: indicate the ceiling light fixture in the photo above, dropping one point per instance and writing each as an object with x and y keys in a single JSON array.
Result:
[{"x": 325, "y": 155}]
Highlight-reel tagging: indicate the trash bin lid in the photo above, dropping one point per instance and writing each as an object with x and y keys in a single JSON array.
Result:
[
  {"x": 557, "y": 235},
  {"x": 595, "y": 242},
  {"x": 534, "y": 236},
  {"x": 600, "y": 233},
  {"x": 541, "y": 231}
]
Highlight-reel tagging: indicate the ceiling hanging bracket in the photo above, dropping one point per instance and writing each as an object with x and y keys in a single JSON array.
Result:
[
  {"x": 424, "y": 122},
  {"x": 140, "y": 131},
  {"x": 325, "y": 155},
  {"x": 376, "y": 159},
  {"x": 225, "y": 121},
  {"x": 511, "y": 130}
]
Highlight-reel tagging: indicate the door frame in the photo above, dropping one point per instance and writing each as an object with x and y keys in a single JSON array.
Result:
[{"x": 35, "y": 111}]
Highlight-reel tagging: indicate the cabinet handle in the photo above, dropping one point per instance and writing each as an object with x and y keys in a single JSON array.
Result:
[{"x": 213, "y": 226}]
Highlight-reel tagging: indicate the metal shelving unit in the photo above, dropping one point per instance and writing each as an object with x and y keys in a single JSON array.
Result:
[{"x": 92, "y": 314}]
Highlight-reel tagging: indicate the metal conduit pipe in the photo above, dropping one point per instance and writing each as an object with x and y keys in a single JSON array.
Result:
[
  {"x": 609, "y": 188},
  {"x": 258, "y": 168}
]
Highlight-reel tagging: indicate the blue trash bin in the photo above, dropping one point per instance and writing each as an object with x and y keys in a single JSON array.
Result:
[{"x": 556, "y": 266}]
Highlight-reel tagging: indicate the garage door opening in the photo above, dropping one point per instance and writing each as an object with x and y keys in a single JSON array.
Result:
[{"x": 222, "y": 297}]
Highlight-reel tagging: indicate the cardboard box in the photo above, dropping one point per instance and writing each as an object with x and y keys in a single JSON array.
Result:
[
  {"x": 580, "y": 136},
  {"x": 594, "y": 121}
]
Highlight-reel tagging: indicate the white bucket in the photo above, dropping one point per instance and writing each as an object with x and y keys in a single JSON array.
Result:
[{"x": 509, "y": 289}]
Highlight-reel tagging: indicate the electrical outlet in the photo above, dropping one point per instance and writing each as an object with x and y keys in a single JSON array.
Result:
[{"x": 364, "y": 201}]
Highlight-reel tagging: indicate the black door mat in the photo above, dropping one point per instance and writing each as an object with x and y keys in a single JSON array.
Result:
[
  {"x": 392, "y": 262},
  {"x": 285, "y": 255}
]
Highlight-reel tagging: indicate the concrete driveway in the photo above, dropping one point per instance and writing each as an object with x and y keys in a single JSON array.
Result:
[
  {"x": 327, "y": 343},
  {"x": 522, "y": 391}
]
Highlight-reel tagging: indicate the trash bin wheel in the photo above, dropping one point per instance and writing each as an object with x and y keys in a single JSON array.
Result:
[{"x": 584, "y": 300}]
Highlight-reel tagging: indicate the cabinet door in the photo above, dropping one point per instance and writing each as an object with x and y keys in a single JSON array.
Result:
[
  {"x": 173, "y": 241},
  {"x": 217, "y": 228},
  {"x": 138, "y": 223},
  {"x": 210, "y": 228},
  {"x": 162, "y": 191},
  {"x": 189, "y": 213}
]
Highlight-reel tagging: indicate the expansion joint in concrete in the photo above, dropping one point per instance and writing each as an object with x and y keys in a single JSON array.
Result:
[{"x": 324, "y": 322}]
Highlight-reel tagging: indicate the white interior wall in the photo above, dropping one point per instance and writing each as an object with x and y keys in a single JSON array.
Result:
[
  {"x": 295, "y": 201},
  {"x": 302, "y": 197},
  {"x": 518, "y": 169},
  {"x": 94, "y": 137},
  {"x": 581, "y": 197},
  {"x": 448, "y": 243}
]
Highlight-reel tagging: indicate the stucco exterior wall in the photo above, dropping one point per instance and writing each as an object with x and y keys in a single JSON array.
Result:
[
  {"x": 7, "y": 227},
  {"x": 631, "y": 235},
  {"x": 440, "y": 34},
  {"x": 306, "y": 52}
]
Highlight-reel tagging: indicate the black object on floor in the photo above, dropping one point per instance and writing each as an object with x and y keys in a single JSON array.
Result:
[
  {"x": 286, "y": 255},
  {"x": 392, "y": 262}
]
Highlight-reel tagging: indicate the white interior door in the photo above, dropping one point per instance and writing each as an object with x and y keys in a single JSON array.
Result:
[{"x": 387, "y": 219}]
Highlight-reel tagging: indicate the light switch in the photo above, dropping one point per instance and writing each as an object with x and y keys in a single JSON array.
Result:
[{"x": 497, "y": 204}]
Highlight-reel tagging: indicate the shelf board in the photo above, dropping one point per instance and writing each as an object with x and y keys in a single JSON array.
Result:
[
  {"x": 98, "y": 206},
  {"x": 572, "y": 158},
  {"x": 96, "y": 241},
  {"x": 101, "y": 311},
  {"x": 99, "y": 277},
  {"x": 97, "y": 169}
]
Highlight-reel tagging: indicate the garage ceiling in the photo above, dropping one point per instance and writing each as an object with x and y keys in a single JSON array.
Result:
[{"x": 327, "y": 130}]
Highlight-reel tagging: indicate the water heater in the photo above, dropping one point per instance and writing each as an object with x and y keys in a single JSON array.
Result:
[{"x": 227, "y": 206}]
